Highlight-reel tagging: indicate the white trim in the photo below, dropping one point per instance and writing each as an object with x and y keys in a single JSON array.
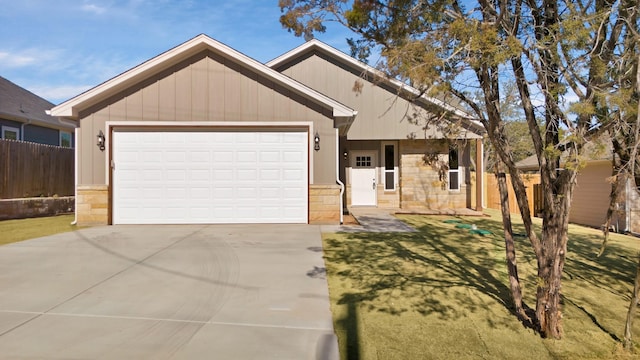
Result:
[
  {"x": 75, "y": 178},
  {"x": 375, "y": 73},
  {"x": 338, "y": 176},
  {"x": 480, "y": 172},
  {"x": 452, "y": 171},
  {"x": 457, "y": 172},
  {"x": 383, "y": 165},
  {"x": 71, "y": 108},
  {"x": 11, "y": 129}
]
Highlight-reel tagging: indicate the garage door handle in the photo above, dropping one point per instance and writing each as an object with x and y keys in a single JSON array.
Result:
[{"x": 374, "y": 184}]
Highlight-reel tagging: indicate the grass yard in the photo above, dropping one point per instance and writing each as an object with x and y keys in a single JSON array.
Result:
[
  {"x": 442, "y": 293},
  {"x": 24, "y": 229}
]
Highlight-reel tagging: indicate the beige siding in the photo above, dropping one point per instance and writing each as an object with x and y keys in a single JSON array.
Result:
[
  {"x": 633, "y": 198},
  {"x": 199, "y": 80},
  {"x": 381, "y": 114},
  {"x": 204, "y": 88},
  {"x": 591, "y": 195},
  {"x": 150, "y": 102},
  {"x": 182, "y": 94}
]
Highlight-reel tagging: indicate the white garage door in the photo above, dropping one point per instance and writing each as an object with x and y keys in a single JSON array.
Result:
[{"x": 208, "y": 177}]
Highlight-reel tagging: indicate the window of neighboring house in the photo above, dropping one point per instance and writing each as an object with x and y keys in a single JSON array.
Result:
[
  {"x": 65, "y": 139},
  {"x": 389, "y": 153},
  {"x": 454, "y": 171},
  {"x": 10, "y": 133}
]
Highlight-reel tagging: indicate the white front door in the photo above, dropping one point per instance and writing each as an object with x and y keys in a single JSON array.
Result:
[{"x": 363, "y": 178}]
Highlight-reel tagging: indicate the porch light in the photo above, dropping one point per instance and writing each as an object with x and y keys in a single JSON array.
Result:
[
  {"x": 316, "y": 142},
  {"x": 100, "y": 143}
]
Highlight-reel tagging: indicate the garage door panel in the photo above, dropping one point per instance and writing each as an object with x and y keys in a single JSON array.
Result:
[
  {"x": 210, "y": 177},
  {"x": 223, "y": 156}
]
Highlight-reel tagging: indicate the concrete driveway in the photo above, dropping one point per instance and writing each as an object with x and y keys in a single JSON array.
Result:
[{"x": 167, "y": 292}]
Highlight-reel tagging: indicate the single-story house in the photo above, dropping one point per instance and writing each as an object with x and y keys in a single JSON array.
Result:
[
  {"x": 205, "y": 134},
  {"x": 591, "y": 195},
  {"x": 383, "y": 162},
  {"x": 23, "y": 117}
]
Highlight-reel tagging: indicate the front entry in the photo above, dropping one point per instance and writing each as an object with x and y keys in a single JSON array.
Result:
[{"x": 363, "y": 178}]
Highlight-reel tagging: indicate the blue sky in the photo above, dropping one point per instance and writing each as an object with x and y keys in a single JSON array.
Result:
[{"x": 58, "y": 49}]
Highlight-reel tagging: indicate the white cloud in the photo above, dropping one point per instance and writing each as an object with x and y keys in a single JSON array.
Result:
[
  {"x": 13, "y": 60},
  {"x": 57, "y": 94},
  {"x": 93, "y": 8}
]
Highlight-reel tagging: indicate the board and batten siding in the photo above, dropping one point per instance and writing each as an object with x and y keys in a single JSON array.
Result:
[
  {"x": 382, "y": 115},
  {"x": 205, "y": 87},
  {"x": 591, "y": 195}
]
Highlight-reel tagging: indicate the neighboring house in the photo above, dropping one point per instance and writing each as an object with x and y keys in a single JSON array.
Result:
[
  {"x": 591, "y": 194},
  {"x": 383, "y": 162},
  {"x": 205, "y": 134},
  {"x": 23, "y": 117}
]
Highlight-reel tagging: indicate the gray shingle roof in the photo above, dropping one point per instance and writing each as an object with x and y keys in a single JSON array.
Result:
[
  {"x": 593, "y": 151},
  {"x": 19, "y": 104}
]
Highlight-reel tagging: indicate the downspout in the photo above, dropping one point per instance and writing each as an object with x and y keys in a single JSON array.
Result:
[
  {"x": 75, "y": 177},
  {"x": 338, "y": 175},
  {"x": 22, "y": 128},
  {"x": 75, "y": 165}
]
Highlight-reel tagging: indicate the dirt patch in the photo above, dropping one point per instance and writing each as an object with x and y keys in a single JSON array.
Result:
[{"x": 349, "y": 220}]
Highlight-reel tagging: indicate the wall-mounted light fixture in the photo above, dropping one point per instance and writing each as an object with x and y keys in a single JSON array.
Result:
[
  {"x": 100, "y": 142},
  {"x": 316, "y": 142}
]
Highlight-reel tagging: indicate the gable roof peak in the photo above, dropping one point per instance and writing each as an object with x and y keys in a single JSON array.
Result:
[
  {"x": 290, "y": 57},
  {"x": 72, "y": 107}
]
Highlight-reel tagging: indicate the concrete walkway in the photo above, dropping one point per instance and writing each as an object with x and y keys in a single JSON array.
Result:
[
  {"x": 167, "y": 292},
  {"x": 372, "y": 220}
]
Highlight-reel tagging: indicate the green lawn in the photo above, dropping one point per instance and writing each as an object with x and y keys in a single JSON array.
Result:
[
  {"x": 24, "y": 229},
  {"x": 442, "y": 293}
]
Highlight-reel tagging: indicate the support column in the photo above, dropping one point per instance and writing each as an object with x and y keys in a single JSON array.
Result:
[{"x": 479, "y": 174}]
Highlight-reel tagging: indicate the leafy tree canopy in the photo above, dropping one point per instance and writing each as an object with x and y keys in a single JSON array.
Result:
[{"x": 573, "y": 63}]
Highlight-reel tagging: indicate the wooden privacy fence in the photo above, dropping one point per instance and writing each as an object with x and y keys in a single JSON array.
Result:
[
  {"x": 493, "y": 195},
  {"x": 32, "y": 170}
]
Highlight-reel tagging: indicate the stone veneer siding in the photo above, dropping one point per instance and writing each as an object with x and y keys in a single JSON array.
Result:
[
  {"x": 93, "y": 205},
  {"x": 387, "y": 199},
  {"x": 324, "y": 204},
  {"x": 420, "y": 185}
]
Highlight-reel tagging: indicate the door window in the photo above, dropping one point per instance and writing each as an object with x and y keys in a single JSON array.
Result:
[{"x": 363, "y": 161}]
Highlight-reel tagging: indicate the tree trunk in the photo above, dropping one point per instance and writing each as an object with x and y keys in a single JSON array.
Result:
[
  {"x": 551, "y": 261},
  {"x": 510, "y": 248},
  {"x": 636, "y": 288},
  {"x": 616, "y": 188},
  {"x": 548, "y": 308},
  {"x": 628, "y": 344}
]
